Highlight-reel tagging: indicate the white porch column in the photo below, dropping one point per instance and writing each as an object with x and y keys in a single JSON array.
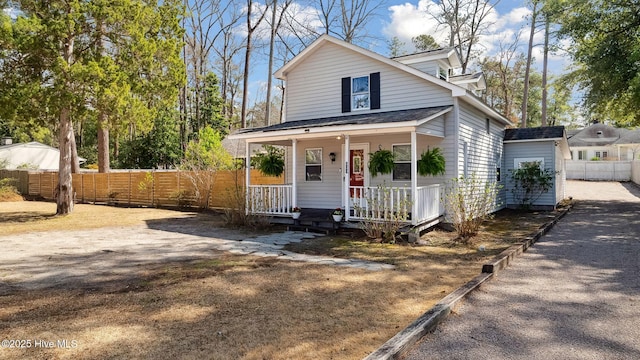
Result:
[
  {"x": 294, "y": 172},
  {"x": 247, "y": 177},
  {"x": 414, "y": 178},
  {"x": 345, "y": 195}
]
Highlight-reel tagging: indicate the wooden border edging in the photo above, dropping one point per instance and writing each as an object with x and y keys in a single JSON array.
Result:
[
  {"x": 427, "y": 322},
  {"x": 503, "y": 259}
]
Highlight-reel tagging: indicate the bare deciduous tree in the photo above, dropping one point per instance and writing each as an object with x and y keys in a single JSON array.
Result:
[
  {"x": 252, "y": 26},
  {"x": 466, "y": 20}
]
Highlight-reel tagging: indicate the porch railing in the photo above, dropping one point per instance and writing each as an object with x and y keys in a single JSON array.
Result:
[
  {"x": 428, "y": 200},
  {"x": 386, "y": 203},
  {"x": 270, "y": 199}
]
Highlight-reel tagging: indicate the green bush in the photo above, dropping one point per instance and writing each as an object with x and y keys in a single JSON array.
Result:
[{"x": 530, "y": 182}]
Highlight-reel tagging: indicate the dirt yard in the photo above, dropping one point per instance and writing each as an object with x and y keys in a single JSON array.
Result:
[{"x": 235, "y": 306}]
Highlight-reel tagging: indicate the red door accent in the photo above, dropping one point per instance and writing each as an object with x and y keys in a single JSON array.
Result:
[{"x": 356, "y": 169}]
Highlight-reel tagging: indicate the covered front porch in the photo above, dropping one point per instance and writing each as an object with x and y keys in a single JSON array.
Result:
[
  {"x": 368, "y": 203},
  {"x": 327, "y": 167}
]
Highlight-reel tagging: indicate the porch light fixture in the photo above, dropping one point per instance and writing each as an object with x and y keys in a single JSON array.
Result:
[{"x": 332, "y": 156}]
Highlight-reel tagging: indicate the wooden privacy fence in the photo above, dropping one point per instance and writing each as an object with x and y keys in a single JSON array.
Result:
[{"x": 138, "y": 187}]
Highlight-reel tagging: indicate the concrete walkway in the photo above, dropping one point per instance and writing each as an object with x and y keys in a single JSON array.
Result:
[
  {"x": 50, "y": 259},
  {"x": 574, "y": 295}
]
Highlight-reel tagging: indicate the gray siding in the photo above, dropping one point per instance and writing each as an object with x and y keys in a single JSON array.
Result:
[
  {"x": 536, "y": 149},
  {"x": 434, "y": 127},
  {"x": 313, "y": 87},
  {"x": 484, "y": 150},
  {"x": 325, "y": 194}
]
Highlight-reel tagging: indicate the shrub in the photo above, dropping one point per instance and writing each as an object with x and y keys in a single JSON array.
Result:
[
  {"x": 468, "y": 202},
  {"x": 8, "y": 190},
  {"x": 530, "y": 182},
  {"x": 381, "y": 222},
  {"x": 235, "y": 213}
]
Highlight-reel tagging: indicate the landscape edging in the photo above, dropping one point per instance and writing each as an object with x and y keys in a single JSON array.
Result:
[{"x": 427, "y": 322}]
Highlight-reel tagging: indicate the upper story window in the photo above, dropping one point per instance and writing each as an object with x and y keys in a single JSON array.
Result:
[
  {"x": 443, "y": 74},
  {"x": 360, "y": 93}
]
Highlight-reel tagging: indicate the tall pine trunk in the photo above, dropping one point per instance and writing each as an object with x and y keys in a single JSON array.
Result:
[
  {"x": 103, "y": 123},
  {"x": 64, "y": 190},
  {"x": 545, "y": 64},
  {"x": 525, "y": 95}
]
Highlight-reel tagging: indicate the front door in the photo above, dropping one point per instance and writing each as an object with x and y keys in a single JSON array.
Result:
[{"x": 356, "y": 170}]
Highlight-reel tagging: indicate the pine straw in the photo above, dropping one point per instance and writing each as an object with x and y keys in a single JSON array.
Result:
[{"x": 244, "y": 307}]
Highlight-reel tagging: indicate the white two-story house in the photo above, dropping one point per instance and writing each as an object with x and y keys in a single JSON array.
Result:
[{"x": 344, "y": 102}]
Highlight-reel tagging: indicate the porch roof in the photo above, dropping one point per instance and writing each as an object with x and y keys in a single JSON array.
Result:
[{"x": 346, "y": 123}]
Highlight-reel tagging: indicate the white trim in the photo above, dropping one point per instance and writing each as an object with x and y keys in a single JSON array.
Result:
[
  {"x": 414, "y": 179},
  {"x": 294, "y": 170},
  {"x": 247, "y": 175},
  {"x": 346, "y": 183}
]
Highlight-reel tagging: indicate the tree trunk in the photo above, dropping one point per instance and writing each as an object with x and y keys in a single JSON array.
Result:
[
  {"x": 64, "y": 190},
  {"x": 103, "y": 125},
  {"x": 525, "y": 95},
  {"x": 103, "y": 143},
  {"x": 272, "y": 41},
  {"x": 75, "y": 163},
  {"x": 543, "y": 112},
  {"x": 245, "y": 84}
]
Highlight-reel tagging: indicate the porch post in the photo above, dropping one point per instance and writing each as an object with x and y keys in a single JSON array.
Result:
[
  {"x": 247, "y": 177},
  {"x": 345, "y": 195},
  {"x": 414, "y": 178},
  {"x": 294, "y": 172}
]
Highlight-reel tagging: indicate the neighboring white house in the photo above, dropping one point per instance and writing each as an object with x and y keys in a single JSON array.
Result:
[
  {"x": 344, "y": 102},
  {"x": 604, "y": 142},
  {"x": 31, "y": 155}
]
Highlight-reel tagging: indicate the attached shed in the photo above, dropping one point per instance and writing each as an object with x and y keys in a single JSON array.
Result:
[{"x": 547, "y": 145}]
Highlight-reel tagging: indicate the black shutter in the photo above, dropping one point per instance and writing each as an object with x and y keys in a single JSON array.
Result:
[
  {"x": 346, "y": 94},
  {"x": 374, "y": 83}
]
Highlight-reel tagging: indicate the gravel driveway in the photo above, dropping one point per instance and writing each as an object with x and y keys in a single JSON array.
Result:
[{"x": 574, "y": 295}]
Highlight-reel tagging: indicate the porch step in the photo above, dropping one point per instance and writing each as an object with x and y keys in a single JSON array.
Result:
[{"x": 319, "y": 225}]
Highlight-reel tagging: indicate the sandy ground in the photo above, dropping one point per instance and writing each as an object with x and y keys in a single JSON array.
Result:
[{"x": 574, "y": 295}]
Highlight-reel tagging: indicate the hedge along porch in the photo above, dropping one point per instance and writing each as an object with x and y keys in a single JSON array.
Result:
[{"x": 317, "y": 160}]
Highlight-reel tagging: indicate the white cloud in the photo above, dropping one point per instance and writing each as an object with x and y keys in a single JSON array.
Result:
[{"x": 409, "y": 20}]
